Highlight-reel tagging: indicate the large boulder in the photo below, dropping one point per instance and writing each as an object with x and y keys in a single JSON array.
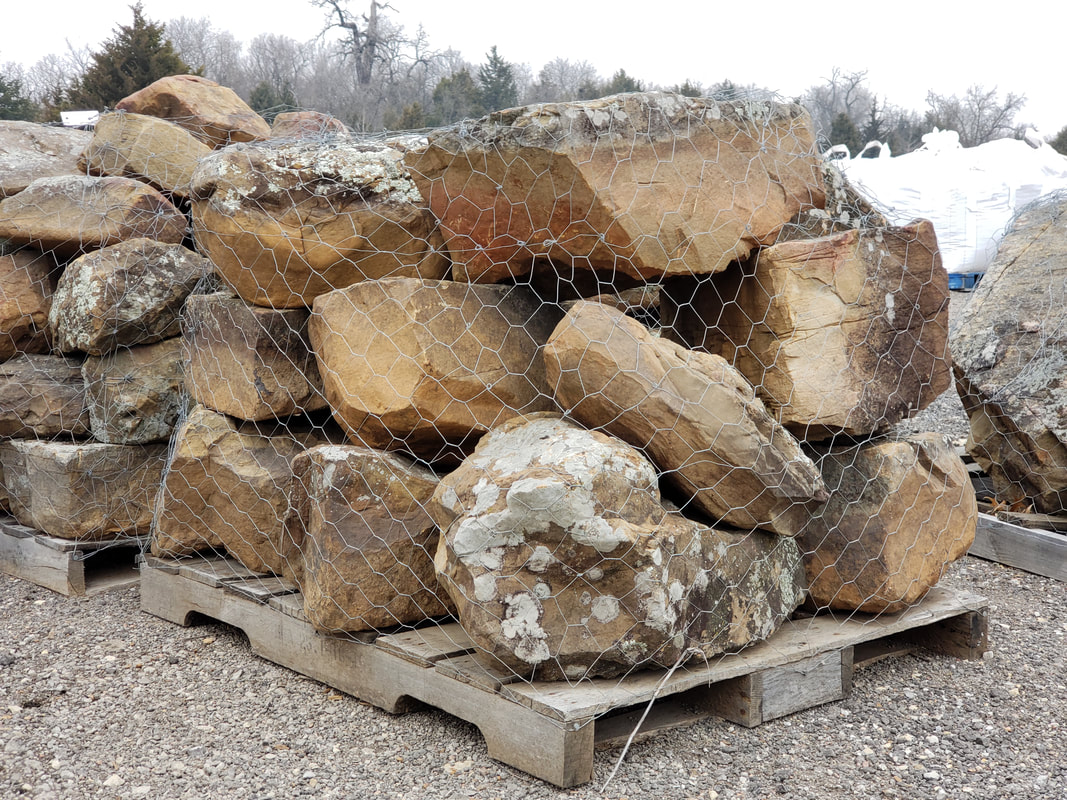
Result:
[
  {"x": 306, "y": 125},
  {"x": 26, "y": 287},
  {"x": 42, "y": 396},
  {"x": 286, "y": 221},
  {"x": 76, "y": 214},
  {"x": 899, "y": 513},
  {"x": 430, "y": 366},
  {"x": 563, "y": 563},
  {"x": 29, "y": 151},
  {"x": 135, "y": 395},
  {"x": 844, "y": 333},
  {"x": 212, "y": 113},
  {"x": 226, "y": 487},
  {"x": 694, "y": 415},
  {"x": 147, "y": 148},
  {"x": 363, "y": 539},
  {"x": 249, "y": 362},
  {"x": 82, "y": 490},
  {"x": 1010, "y": 362},
  {"x": 126, "y": 294},
  {"x": 645, "y": 185}
]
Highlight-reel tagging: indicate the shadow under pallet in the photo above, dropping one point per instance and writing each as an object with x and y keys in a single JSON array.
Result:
[
  {"x": 550, "y": 730},
  {"x": 70, "y": 567}
]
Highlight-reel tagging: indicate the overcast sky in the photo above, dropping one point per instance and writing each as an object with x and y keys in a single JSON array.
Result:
[{"x": 783, "y": 46}]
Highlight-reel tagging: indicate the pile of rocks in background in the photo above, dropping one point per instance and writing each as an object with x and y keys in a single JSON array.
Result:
[{"x": 400, "y": 372}]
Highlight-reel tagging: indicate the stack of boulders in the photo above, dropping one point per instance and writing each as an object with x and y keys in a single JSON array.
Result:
[{"x": 425, "y": 383}]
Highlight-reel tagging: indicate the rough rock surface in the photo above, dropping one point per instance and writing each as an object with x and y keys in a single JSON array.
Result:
[
  {"x": 135, "y": 395},
  {"x": 845, "y": 333},
  {"x": 151, "y": 149},
  {"x": 29, "y": 151},
  {"x": 83, "y": 490},
  {"x": 73, "y": 215},
  {"x": 42, "y": 396},
  {"x": 286, "y": 221},
  {"x": 26, "y": 286},
  {"x": 249, "y": 362},
  {"x": 306, "y": 125},
  {"x": 226, "y": 487},
  {"x": 214, "y": 114},
  {"x": 648, "y": 184},
  {"x": 694, "y": 415},
  {"x": 429, "y": 366},
  {"x": 563, "y": 563},
  {"x": 1010, "y": 363},
  {"x": 363, "y": 537},
  {"x": 126, "y": 294},
  {"x": 899, "y": 513}
]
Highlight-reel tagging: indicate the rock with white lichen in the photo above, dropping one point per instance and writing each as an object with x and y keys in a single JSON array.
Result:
[
  {"x": 286, "y": 221},
  {"x": 563, "y": 563}
]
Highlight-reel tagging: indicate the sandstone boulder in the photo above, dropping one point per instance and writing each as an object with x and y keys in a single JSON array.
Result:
[
  {"x": 226, "y": 487},
  {"x": 29, "y": 151},
  {"x": 899, "y": 513},
  {"x": 249, "y": 362},
  {"x": 695, "y": 417},
  {"x": 645, "y": 184},
  {"x": 845, "y": 333},
  {"x": 429, "y": 366},
  {"x": 26, "y": 286},
  {"x": 214, "y": 114},
  {"x": 83, "y": 490},
  {"x": 286, "y": 221},
  {"x": 563, "y": 563},
  {"x": 42, "y": 396},
  {"x": 73, "y": 215},
  {"x": 150, "y": 149},
  {"x": 359, "y": 517},
  {"x": 126, "y": 294},
  {"x": 1010, "y": 363},
  {"x": 135, "y": 395},
  {"x": 306, "y": 125}
]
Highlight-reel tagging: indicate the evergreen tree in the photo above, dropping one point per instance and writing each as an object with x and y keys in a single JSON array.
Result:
[
  {"x": 1059, "y": 142},
  {"x": 497, "y": 79},
  {"x": 454, "y": 98},
  {"x": 270, "y": 102},
  {"x": 689, "y": 88},
  {"x": 621, "y": 82},
  {"x": 844, "y": 131},
  {"x": 13, "y": 103},
  {"x": 137, "y": 55}
]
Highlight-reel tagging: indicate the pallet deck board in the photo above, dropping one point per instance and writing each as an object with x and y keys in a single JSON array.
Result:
[
  {"x": 1036, "y": 551},
  {"x": 71, "y": 567}
]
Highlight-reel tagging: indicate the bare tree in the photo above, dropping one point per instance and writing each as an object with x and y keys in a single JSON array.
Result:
[
  {"x": 979, "y": 116},
  {"x": 841, "y": 93},
  {"x": 564, "y": 80},
  {"x": 217, "y": 54},
  {"x": 363, "y": 34}
]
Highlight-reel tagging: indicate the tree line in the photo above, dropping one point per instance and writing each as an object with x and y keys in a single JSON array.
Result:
[{"x": 368, "y": 71}]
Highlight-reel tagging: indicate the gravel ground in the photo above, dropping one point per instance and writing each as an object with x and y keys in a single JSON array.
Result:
[{"x": 99, "y": 700}]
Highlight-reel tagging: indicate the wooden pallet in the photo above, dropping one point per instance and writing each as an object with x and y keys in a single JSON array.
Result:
[
  {"x": 550, "y": 730},
  {"x": 72, "y": 568}
]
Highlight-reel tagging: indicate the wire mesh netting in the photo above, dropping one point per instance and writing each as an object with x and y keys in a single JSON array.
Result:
[{"x": 590, "y": 389}]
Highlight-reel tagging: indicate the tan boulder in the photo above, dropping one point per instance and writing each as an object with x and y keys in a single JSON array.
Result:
[
  {"x": 695, "y": 417},
  {"x": 29, "y": 151},
  {"x": 150, "y": 149},
  {"x": 83, "y": 490},
  {"x": 249, "y": 362},
  {"x": 26, "y": 287},
  {"x": 286, "y": 221},
  {"x": 1009, "y": 362},
  {"x": 306, "y": 125},
  {"x": 126, "y": 294},
  {"x": 42, "y": 396},
  {"x": 846, "y": 333},
  {"x": 135, "y": 395},
  {"x": 77, "y": 214},
  {"x": 563, "y": 563},
  {"x": 226, "y": 487},
  {"x": 359, "y": 517},
  {"x": 899, "y": 513},
  {"x": 429, "y": 366},
  {"x": 646, "y": 185},
  {"x": 214, "y": 114}
]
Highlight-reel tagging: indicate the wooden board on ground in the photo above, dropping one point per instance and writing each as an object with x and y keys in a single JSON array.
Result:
[
  {"x": 69, "y": 567},
  {"x": 1034, "y": 550},
  {"x": 550, "y": 730}
]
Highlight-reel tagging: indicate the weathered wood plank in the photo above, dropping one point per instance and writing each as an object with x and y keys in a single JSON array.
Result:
[
  {"x": 214, "y": 570},
  {"x": 261, "y": 588},
  {"x": 425, "y": 646},
  {"x": 1036, "y": 551}
]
